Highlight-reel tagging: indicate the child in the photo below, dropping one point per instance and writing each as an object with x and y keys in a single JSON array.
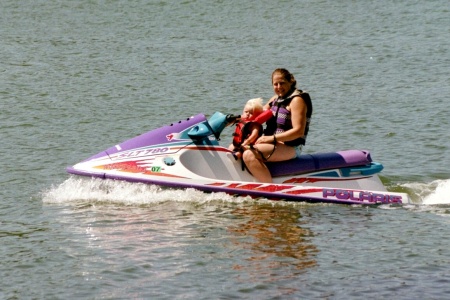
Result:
[{"x": 249, "y": 128}]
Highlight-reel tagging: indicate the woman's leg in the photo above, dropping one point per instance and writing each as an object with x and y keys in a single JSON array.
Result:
[{"x": 255, "y": 162}]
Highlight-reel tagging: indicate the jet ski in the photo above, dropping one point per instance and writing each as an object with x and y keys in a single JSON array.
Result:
[{"x": 188, "y": 154}]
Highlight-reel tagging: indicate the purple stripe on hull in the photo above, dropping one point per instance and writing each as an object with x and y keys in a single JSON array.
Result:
[
  {"x": 71, "y": 170},
  {"x": 216, "y": 189}
]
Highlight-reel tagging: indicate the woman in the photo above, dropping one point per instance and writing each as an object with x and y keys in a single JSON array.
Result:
[{"x": 286, "y": 131}]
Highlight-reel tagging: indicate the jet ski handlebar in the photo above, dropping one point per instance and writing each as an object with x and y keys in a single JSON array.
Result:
[{"x": 232, "y": 119}]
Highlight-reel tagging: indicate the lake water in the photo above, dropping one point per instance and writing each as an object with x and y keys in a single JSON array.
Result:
[{"x": 80, "y": 76}]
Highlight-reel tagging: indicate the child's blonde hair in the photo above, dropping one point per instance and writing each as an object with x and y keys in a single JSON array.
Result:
[{"x": 256, "y": 105}]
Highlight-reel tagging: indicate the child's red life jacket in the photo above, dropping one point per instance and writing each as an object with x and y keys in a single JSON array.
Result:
[{"x": 242, "y": 130}]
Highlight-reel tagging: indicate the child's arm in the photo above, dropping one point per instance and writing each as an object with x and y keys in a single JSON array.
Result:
[{"x": 253, "y": 135}]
